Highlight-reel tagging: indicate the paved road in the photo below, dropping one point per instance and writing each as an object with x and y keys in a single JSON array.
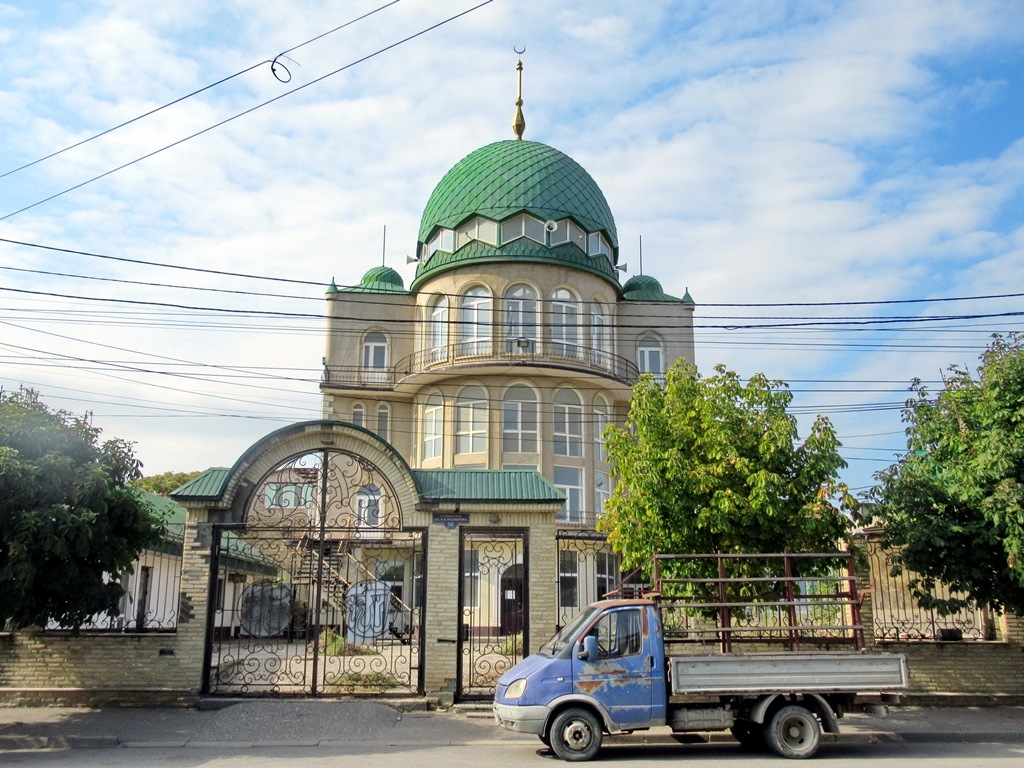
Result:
[{"x": 513, "y": 755}]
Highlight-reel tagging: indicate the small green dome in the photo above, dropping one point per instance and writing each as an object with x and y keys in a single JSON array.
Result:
[
  {"x": 379, "y": 280},
  {"x": 505, "y": 178},
  {"x": 647, "y": 288}
]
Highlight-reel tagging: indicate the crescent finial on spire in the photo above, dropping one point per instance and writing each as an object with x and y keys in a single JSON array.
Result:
[{"x": 519, "y": 122}]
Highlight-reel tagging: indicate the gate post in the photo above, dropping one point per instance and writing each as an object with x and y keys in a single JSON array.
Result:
[
  {"x": 443, "y": 623},
  {"x": 194, "y": 597}
]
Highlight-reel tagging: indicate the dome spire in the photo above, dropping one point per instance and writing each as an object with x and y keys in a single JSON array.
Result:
[{"x": 519, "y": 122}]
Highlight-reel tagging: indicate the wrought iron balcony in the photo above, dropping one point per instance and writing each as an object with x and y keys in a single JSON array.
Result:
[{"x": 483, "y": 353}]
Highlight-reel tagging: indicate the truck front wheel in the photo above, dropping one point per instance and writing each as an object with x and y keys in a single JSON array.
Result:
[
  {"x": 794, "y": 732},
  {"x": 575, "y": 735}
]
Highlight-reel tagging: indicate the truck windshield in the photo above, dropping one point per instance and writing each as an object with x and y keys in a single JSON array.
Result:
[{"x": 568, "y": 634}]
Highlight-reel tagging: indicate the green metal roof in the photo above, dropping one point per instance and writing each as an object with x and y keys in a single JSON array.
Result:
[
  {"x": 378, "y": 280},
  {"x": 647, "y": 288},
  {"x": 513, "y": 485},
  {"x": 208, "y": 486}
]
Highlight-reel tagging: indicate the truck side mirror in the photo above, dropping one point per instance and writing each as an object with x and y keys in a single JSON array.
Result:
[{"x": 588, "y": 649}]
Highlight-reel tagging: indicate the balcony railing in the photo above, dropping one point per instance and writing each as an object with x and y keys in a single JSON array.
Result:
[{"x": 478, "y": 352}]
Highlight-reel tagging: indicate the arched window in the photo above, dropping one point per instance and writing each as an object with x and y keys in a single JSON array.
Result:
[
  {"x": 520, "y": 320},
  {"x": 368, "y": 506},
  {"x": 649, "y": 358},
  {"x": 568, "y": 423},
  {"x": 519, "y": 420},
  {"x": 432, "y": 426},
  {"x": 601, "y": 419},
  {"x": 384, "y": 422},
  {"x": 565, "y": 324},
  {"x": 471, "y": 421},
  {"x": 475, "y": 322},
  {"x": 600, "y": 338},
  {"x": 358, "y": 415},
  {"x": 437, "y": 342},
  {"x": 375, "y": 358}
]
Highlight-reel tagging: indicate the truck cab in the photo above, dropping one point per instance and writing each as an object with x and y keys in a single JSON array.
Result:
[{"x": 605, "y": 671}]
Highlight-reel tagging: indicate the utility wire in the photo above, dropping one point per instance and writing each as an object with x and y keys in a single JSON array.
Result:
[
  {"x": 320, "y": 284},
  {"x": 272, "y": 62},
  {"x": 251, "y": 109}
]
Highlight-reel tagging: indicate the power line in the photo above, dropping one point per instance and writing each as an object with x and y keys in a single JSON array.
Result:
[
  {"x": 247, "y": 111},
  {"x": 272, "y": 62}
]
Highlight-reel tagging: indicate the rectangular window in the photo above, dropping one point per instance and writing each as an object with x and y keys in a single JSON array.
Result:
[
  {"x": 568, "y": 579},
  {"x": 569, "y": 480},
  {"x": 607, "y": 567},
  {"x": 602, "y": 491},
  {"x": 568, "y": 430},
  {"x": 433, "y": 431},
  {"x": 519, "y": 427},
  {"x": 471, "y": 427}
]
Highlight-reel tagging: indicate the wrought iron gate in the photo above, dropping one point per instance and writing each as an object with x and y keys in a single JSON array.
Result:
[
  {"x": 493, "y": 606},
  {"x": 321, "y": 591}
]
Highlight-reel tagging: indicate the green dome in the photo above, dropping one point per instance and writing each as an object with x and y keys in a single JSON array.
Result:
[
  {"x": 505, "y": 178},
  {"x": 647, "y": 288},
  {"x": 379, "y": 280}
]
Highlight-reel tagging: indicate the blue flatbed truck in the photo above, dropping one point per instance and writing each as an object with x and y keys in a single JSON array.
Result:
[{"x": 608, "y": 672}]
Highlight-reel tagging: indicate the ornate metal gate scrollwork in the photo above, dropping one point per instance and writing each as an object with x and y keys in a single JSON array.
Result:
[
  {"x": 321, "y": 591},
  {"x": 588, "y": 570},
  {"x": 492, "y": 607}
]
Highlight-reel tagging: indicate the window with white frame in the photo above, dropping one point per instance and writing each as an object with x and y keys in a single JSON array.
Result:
[
  {"x": 358, "y": 415},
  {"x": 649, "y": 358},
  {"x": 520, "y": 319},
  {"x": 471, "y": 421},
  {"x": 437, "y": 343},
  {"x": 519, "y": 420},
  {"x": 569, "y": 480},
  {"x": 522, "y": 225},
  {"x": 375, "y": 358},
  {"x": 443, "y": 240},
  {"x": 577, "y": 237},
  {"x": 602, "y": 416},
  {"x": 393, "y": 574},
  {"x": 565, "y": 324},
  {"x": 568, "y": 423},
  {"x": 607, "y": 567},
  {"x": 477, "y": 228},
  {"x": 597, "y": 245},
  {"x": 384, "y": 422},
  {"x": 568, "y": 579},
  {"x": 602, "y": 491},
  {"x": 475, "y": 322},
  {"x": 432, "y": 426},
  {"x": 368, "y": 506}
]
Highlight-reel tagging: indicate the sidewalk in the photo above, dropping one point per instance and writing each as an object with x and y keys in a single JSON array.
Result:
[{"x": 310, "y": 723}]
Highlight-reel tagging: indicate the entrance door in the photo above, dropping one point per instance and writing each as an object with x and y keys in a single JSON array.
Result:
[
  {"x": 493, "y": 606},
  {"x": 512, "y": 593}
]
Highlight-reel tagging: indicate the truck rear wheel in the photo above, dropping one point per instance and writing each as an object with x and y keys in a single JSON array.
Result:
[
  {"x": 794, "y": 732},
  {"x": 575, "y": 735}
]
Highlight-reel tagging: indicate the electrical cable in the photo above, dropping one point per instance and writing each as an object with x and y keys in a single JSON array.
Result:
[{"x": 247, "y": 111}]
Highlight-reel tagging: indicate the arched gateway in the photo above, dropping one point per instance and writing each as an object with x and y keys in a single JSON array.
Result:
[{"x": 317, "y": 578}]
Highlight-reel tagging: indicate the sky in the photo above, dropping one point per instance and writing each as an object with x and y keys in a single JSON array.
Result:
[{"x": 766, "y": 153}]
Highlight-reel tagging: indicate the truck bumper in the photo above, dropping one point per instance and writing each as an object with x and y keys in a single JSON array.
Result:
[{"x": 521, "y": 719}]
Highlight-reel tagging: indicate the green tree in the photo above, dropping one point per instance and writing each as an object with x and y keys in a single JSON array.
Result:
[
  {"x": 712, "y": 465},
  {"x": 952, "y": 507},
  {"x": 166, "y": 482},
  {"x": 69, "y": 518}
]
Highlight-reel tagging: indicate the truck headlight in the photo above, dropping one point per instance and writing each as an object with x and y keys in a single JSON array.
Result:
[{"x": 516, "y": 689}]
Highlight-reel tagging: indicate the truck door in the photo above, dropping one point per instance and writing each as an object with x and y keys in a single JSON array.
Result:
[{"x": 620, "y": 676}]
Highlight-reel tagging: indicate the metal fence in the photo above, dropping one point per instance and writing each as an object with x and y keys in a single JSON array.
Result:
[
  {"x": 897, "y": 615},
  {"x": 151, "y": 589}
]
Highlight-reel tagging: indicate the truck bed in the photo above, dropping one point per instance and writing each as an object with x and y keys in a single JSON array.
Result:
[{"x": 810, "y": 672}]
